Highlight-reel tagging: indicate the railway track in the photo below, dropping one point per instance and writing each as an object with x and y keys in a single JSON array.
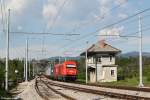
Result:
[
  {"x": 38, "y": 90},
  {"x": 113, "y": 87},
  {"x": 99, "y": 92},
  {"x": 123, "y": 87},
  {"x": 50, "y": 87},
  {"x": 60, "y": 93}
]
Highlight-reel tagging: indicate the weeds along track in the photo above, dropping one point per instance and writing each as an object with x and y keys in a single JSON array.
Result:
[{"x": 99, "y": 92}]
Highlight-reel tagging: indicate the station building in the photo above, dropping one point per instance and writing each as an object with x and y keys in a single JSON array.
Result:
[{"x": 101, "y": 62}]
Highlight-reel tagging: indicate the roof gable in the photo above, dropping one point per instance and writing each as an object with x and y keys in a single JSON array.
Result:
[
  {"x": 101, "y": 47},
  {"x": 106, "y": 47}
]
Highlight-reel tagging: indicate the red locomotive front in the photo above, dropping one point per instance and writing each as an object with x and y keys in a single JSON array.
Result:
[{"x": 66, "y": 70}]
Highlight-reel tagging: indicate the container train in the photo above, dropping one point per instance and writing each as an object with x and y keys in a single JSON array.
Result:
[{"x": 65, "y": 71}]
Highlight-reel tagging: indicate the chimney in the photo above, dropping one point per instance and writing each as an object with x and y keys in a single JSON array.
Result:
[{"x": 102, "y": 43}]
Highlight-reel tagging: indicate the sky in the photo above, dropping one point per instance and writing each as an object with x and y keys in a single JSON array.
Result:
[{"x": 87, "y": 18}]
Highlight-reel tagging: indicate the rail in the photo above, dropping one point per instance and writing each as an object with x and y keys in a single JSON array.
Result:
[
  {"x": 99, "y": 92},
  {"x": 54, "y": 90}
]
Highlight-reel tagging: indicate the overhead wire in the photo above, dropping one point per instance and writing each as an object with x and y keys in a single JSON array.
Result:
[
  {"x": 44, "y": 30},
  {"x": 53, "y": 23},
  {"x": 130, "y": 35},
  {"x": 100, "y": 18},
  {"x": 94, "y": 20},
  {"x": 40, "y": 33},
  {"x": 107, "y": 26},
  {"x": 91, "y": 22},
  {"x": 59, "y": 11}
]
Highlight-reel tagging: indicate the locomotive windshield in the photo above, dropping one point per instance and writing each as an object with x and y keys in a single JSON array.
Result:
[{"x": 70, "y": 66}]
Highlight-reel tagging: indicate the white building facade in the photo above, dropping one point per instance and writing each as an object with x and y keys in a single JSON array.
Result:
[{"x": 101, "y": 62}]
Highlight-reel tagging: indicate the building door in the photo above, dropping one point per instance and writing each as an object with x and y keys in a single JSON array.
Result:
[{"x": 92, "y": 72}]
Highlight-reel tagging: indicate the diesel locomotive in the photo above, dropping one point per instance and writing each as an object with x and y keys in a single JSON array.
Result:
[{"x": 65, "y": 71}]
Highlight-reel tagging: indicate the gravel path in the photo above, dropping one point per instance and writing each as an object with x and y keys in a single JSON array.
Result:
[{"x": 29, "y": 92}]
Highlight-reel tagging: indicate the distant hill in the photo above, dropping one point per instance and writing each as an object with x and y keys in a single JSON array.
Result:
[
  {"x": 63, "y": 58},
  {"x": 128, "y": 54},
  {"x": 135, "y": 54}
]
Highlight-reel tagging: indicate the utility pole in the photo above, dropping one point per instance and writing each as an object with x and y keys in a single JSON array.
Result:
[
  {"x": 26, "y": 79},
  {"x": 86, "y": 62},
  {"x": 7, "y": 52},
  {"x": 33, "y": 68},
  {"x": 140, "y": 53},
  {"x": 24, "y": 75},
  {"x": 29, "y": 68},
  {"x": 25, "y": 63}
]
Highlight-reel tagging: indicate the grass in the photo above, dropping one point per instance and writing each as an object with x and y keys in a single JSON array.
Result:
[
  {"x": 81, "y": 80},
  {"x": 126, "y": 82},
  {"x": 133, "y": 82},
  {"x": 7, "y": 94},
  {"x": 4, "y": 93}
]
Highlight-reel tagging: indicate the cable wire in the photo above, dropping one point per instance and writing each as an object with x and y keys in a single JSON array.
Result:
[
  {"x": 59, "y": 11},
  {"x": 100, "y": 18},
  {"x": 107, "y": 26},
  {"x": 42, "y": 33}
]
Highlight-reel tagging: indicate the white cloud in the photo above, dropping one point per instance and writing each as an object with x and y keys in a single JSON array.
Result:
[
  {"x": 111, "y": 31},
  {"x": 50, "y": 10},
  {"x": 17, "y": 5},
  {"x": 74, "y": 9},
  {"x": 104, "y": 7}
]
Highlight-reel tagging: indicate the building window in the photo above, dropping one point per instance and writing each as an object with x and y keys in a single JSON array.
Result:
[
  {"x": 110, "y": 58},
  {"x": 99, "y": 59},
  {"x": 112, "y": 73}
]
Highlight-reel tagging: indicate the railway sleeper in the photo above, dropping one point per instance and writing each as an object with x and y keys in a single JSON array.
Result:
[
  {"x": 110, "y": 94},
  {"x": 62, "y": 94}
]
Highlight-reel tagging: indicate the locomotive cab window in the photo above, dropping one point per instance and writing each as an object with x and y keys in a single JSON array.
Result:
[{"x": 71, "y": 66}]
